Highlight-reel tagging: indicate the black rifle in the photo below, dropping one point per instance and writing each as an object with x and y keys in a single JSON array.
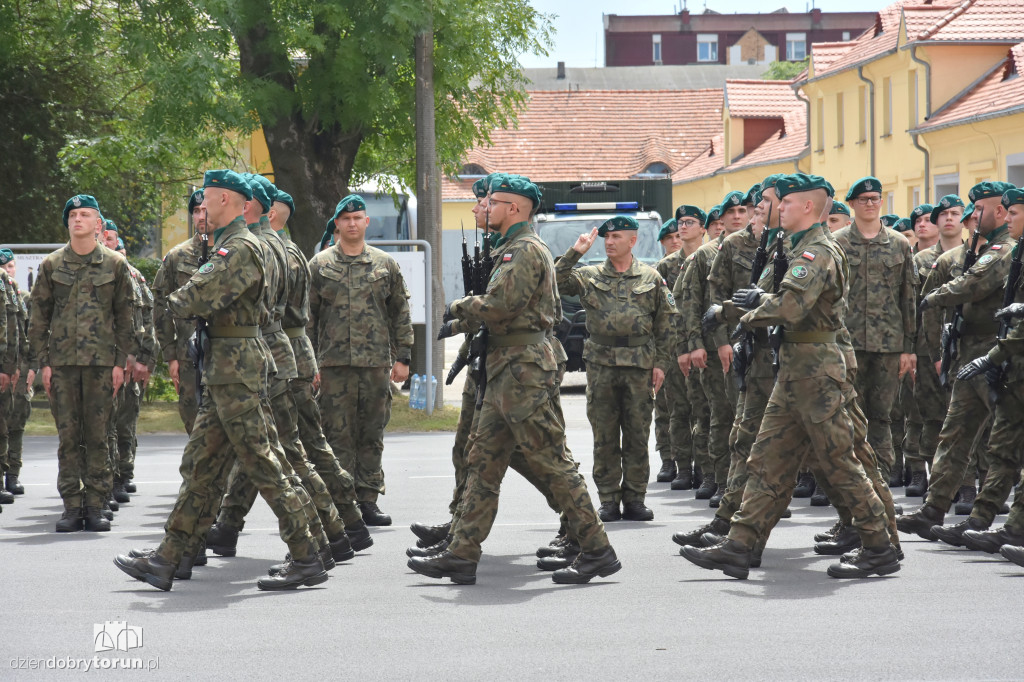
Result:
[
  {"x": 953, "y": 330},
  {"x": 469, "y": 279},
  {"x": 478, "y": 346},
  {"x": 744, "y": 349},
  {"x": 467, "y": 268},
  {"x": 199, "y": 342},
  {"x": 775, "y": 333},
  {"x": 996, "y": 379}
]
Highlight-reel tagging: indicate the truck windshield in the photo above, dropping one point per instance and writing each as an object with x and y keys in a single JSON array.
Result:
[{"x": 560, "y": 235}]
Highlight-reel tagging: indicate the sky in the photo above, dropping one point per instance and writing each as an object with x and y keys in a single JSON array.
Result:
[{"x": 579, "y": 26}]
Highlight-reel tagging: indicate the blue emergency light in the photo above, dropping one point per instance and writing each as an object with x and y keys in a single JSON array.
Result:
[{"x": 600, "y": 206}]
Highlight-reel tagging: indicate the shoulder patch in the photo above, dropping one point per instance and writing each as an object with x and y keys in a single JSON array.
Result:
[
  {"x": 691, "y": 256},
  {"x": 808, "y": 255},
  {"x": 996, "y": 247},
  {"x": 987, "y": 258},
  {"x": 222, "y": 251},
  {"x": 935, "y": 265},
  {"x": 506, "y": 258},
  {"x": 799, "y": 272},
  {"x": 207, "y": 267},
  {"x": 671, "y": 299}
]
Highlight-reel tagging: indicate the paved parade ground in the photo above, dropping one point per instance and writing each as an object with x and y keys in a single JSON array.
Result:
[{"x": 948, "y": 615}]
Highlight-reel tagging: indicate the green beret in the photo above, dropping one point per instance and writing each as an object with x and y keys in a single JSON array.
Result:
[
  {"x": 353, "y": 203},
  {"x": 286, "y": 199},
  {"x": 670, "y": 226},
  {"x": 714, "y": 214},
  {"x": 268, "y": 187},
  {"x": 731, "y": 199},
  {"x": 109, "y": 225},
  {"x": 482, "y": 186},
  {"x": 968, "y": 212},
  {"x": 259, "y": 193},
  {"x": 688, "y": 211},
  {"x": 1013, "y": 196},
  {"x": 839, "y": 208},
  {"x": 6, "y": 256},
  {"x": 752, "y": 197},
  {"x": 889, "y": 219},
  {"x": 195, "y": 200},
  {"x": 617, "y": 224},
  {"x": 948, "y": 201},
  {"x": 923, "y": 209},
  {"x": 903, "y": 225},
  {"x": 987, "y": 190},
  {"x": 120, "y": 244},
  {"x": 864, "y": 185},
  {"x": 769, "y": 182},
  {"x": 516, "y": 184},
  {"x": 227, "y": 179},
  {"x": 800, "y": 182},
  {"x": 80, "y": 201}
]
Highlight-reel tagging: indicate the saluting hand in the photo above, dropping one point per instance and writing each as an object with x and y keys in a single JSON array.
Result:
[{"x": 585, "y": 241}]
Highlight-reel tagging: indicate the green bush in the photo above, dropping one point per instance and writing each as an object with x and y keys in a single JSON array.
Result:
[{"x": 160, "y": 387}]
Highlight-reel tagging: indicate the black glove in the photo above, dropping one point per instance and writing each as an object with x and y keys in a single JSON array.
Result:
[
  {"x": 740, "y": 361},
  {"x": 738, "y": 332},
  {"x": 1011, "y": 311},
  {"x": 975, "y": 367},
  {"x": 748, "y": 298},
  {"x": 925, "y": 304},
  {"x": 447, "y": 317},
  {"x": 710, "y": 320},
  {"x": 446, "y": 330}
]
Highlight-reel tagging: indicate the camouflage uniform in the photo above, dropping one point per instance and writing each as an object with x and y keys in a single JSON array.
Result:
[
  {"x": 177, "y": 268},
  {"x": 806, "y": 405},
  {"x": 882, "y": 321},
  {"x": 81, "y": 327},
  {"x": 21, "y": 395},
  {"x": 980, "y": 290},
  {"x": 358, "y": 309},
  {"x": 228, "y": 292},
  {"x": 8, "y": 359},
  {"x": 630, "y": 320},
  {"x": 519, "y": 308}
]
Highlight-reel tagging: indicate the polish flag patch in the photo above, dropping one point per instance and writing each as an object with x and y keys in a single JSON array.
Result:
[
  {"x": 996, "y": 247},
  {"x": 808, "y": 255},
  {"x": 935, "y": 265},
  {"x": 222, "y": 252},
  {"x": 506, "y": 258}
]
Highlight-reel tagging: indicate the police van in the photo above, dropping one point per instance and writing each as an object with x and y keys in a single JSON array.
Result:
[{"x": 571, "y": 209}]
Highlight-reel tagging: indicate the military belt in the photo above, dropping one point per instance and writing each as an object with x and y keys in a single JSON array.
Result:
[
  {"x": 520, "y": 339},
  {"x": 295, "y": 332},
  {"x": 620, "y": 341},
  {"x": 272, "y": 328},
  {"x": 808, "y": 337},
  {"x": 233, "y": 332}
]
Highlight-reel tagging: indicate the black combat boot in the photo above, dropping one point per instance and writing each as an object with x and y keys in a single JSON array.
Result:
[
  {"x": 184, "y": 569},
  {"x": 991, "y": 540},
  {"x": 683, "y": 479},
  {"x": 896, "y": 477},
  {"x": 636, "y": 510},
  {"x": 842, "y": 542},
  {"x": 372, "y": 515},
  {"x": 920, "y": 522},
  {"x": 359, "y": 536},
  {"x": 141, "y": 553},
  {"x": 561, "y": 559},
  {"x": 430, "y": 535},
  {"x": 222, "y": 540},
  {"x": 324, "y": 555},
  {"x": 154, "y": 570},
  {"x": 819, "y": 498},
  {"x": 554, "y": 546},
  {"x": 830, "y": 533},
  {"x": 586, "y": 566},
  {"x": 432, "y": 550},
  {"x": 609, "y": 512},
  {"x": 716, "y": 499},
  {"x": 918, "y": 484},
  {"x": 954, "y": 535},
  {"x": 1014, "y": 553},
  {"x": 94, "y": 520},
  {"x": 6, "y": 497},
  {"x": 445, "y": 565},
  {"x": 13, "y": 485},
  {"x": 867, "y": 561},
  {"x": 668, "y": 471},
  {"x": 308, "y": 572},
  {"x": 707, "y": 487},
  {"x": 804, "y": 485},
  {"x": 341, "y": 549},
  {"x": 129, "y": 486},
  {"x": 109, "y": 507},
  {"x": 71, "y": 520},
  {"x": 730, "y": 557},
  {"x": 201, "y": 558},
  {"x": 718, "y": 525},
  {"x": 968, "y": 493},
  {"x": 119, "y": 494}
]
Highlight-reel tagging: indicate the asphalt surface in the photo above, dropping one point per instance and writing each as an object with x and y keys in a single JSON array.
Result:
[{"x": 949, "y": 614}]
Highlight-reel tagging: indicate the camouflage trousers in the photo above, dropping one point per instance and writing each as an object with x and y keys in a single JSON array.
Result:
[
  {"x": 339, "y": 482},
  {"x": 700, "y": 421},
  {"x": 932, "y": 404},
  {"x": 81, "y": 400},
  {"x": 356, "y": 406},
  {"x": 877, "y": 384},
  {"x": 906, "y": 424},
  {"x": 619, "y": 404},
  {"x": 520, "y": 414},
  {"x": 225, "y": 431},
  {"x": 126, "y": 419},
  {"x": 1015, "y": 521},
  {"x": 721, "y": 393},
  {"x": 187, "y": 406},
  {"x": 1005, "y": 456},
  {"x": 802, "y": 414},
  {"x": 679, "y": 429},
  {"x": 241, "y": 489},
  {"x": 17, "y": 414}
]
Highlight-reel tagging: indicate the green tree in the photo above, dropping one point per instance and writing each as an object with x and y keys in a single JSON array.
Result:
[{"x": 785, "y": 71}]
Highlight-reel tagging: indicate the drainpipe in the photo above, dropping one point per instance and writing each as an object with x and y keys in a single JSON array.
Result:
[
  {"x": 927, "y": 115},
  {"x": 871, "y": 107},
  {"x": 807, "y": 101},
  {"x": 927, "y": 167}
]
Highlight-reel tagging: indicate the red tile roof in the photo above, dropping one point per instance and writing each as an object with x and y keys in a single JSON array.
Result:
[
  {"x": 868, "y": 45},
  {"x": 710, "y": 161},
  {"x": 599, "y": 134},
  {"x": 759, "y": 98},
  {"x": 975, "y": 20},
  {"x": 1000, "y": 93},
  {"x": 823, "y": 55}
]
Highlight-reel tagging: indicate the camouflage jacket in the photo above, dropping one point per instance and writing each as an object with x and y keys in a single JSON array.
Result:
[
  {"x": 358, "y": 308},
  {"x": 81, "y": 310},
  {"x": 693, "y": 297},
  {"x": 946, "y": 267},
  {"x": 732, "y": 265},
  {"x": 929, "y": 329},
  {"x": 23, "y": 308},
  {"x": 177, "y": 268},
  {"x": 668, "y": 268},
  {"x": 10, "y": 339},
  {"x": 142, "y": 317},
  {"x": 273, "y": 332},
  {"x": 1012, "y": 347},
  {"x": 682, "y": 340},
  {"x": 810, "y": 299},
  {"x": 229, "y": 291},
  {"x": 635, "y": 303},
  {"x": 296, "y": 311},
  {"x": 882, "y": 316}
]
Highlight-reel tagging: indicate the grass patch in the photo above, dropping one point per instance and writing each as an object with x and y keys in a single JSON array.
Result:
[{"x": 406, "y": 420}]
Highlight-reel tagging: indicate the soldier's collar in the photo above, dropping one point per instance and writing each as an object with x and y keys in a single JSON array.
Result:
[
  {"x": 510, "y": 233},
  {"x": 996, "y": 233},
  {"x": 236, "y": 224},
  {"x": 796, "y": 238}
]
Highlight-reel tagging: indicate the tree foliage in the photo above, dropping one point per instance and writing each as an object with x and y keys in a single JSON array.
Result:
[{"x": 785, "y": 71}]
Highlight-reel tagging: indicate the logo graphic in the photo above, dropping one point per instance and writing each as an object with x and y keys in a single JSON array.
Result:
[
  {"x": 77, "y": 201},
  {"x": 116, "y": 636}
]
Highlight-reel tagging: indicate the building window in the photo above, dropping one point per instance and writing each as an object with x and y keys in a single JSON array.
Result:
[
  {"x": 890, "y": 201},
  {"x": 864, "y": 105},
  {"x": 949, "y": 183},
  {"x": 846, "y": 36},
  {"x": 796, "y": 47},
  {"x": 886, "y": 106},
  {"x": 915, "y": 198},
  {"x": 912, "y": 98},
  {"x": 840, "y": 123},
  {"x": 707, "y": 47},
  {"x": 655, "y": 170},
  {"x": 820, "y": 125},
  {"x": 656, "y": 46},
  {"x": 472, "y": 170}
]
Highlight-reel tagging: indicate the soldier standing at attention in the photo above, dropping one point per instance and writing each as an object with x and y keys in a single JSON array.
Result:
[
  {"x": 81, "y": 337},
  {"x": 358, "y": 310},
  {"x": 520, "y": 309},
  {"x": 21, "y": 386},
  {"x": 882, "y": 315},
  {"x": 228, "y": 293},
  {"x": 668, "y": 267},
  {"x": 10, "y": 310},
  {"x": 630, "y": 321},
  {"x": 839, "y": 216}
]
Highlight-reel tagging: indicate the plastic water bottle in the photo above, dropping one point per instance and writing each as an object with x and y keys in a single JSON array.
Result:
[
  {"x": 415, "y": 388},
  {"x": 433, "y": 392}
]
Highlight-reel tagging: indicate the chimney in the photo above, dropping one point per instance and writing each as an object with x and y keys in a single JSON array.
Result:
[
  {"x": 816, "y": 18},
  {"x": 561, "y": 71},
  {"x": 685, "y": 16}
]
